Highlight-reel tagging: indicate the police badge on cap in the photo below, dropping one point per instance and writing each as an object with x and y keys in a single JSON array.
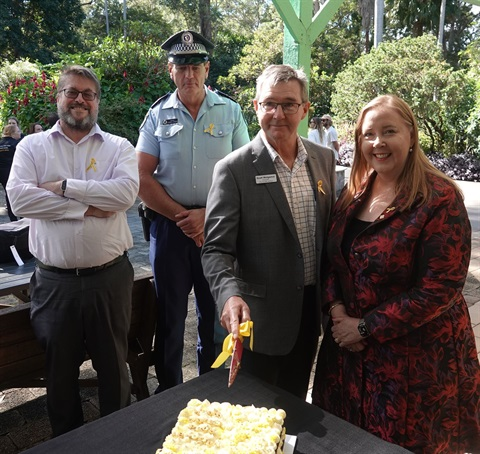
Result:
[{"x": 187, "y": 48}]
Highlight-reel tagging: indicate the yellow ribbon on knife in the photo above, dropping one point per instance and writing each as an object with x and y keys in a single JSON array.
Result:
[{"x": 244, "y": 330}]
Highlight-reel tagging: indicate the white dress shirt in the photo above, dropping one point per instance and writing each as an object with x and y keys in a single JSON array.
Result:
[{"x": 101, "y": 170}]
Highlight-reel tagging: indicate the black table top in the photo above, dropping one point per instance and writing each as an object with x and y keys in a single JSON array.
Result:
[{"x": 142, "y": 427}]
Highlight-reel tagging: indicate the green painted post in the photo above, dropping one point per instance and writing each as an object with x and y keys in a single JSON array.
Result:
[{"x": 300, "y": 31}]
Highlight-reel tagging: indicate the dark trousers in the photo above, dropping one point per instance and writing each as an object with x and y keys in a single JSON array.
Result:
[
  {"x": 290, "y": 372},
  {"x": 72, "y": 316},
  {"x": 4, "y": 174},
  {"x": 176, "y": 266}
]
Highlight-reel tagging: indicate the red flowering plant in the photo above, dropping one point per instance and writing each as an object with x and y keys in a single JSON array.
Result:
[{"x": 29, "y": 100}]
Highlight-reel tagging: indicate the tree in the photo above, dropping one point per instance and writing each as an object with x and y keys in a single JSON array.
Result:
[
  {"x": 242, "y": 17},
  {"x": 366, "y": 9},
  {"x": 415, "y": 70},
  {"x": 146, "y": 21},
  {"x": 264, "y": 49},
  {"x": 415, "y": 18},
  {"x": 39, "y": 29},
  {"x": 340, "y": 43}
]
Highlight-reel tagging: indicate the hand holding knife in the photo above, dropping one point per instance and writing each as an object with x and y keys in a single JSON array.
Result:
[{"x": 234, "y": 347}]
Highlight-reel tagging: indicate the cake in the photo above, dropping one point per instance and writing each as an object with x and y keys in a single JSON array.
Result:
[{"x": 205, "y": 427}]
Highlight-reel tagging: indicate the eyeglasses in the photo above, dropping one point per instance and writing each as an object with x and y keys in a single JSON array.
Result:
[
  {"x": 289, "y": 108},
  {"x": 71, "y": 93}
]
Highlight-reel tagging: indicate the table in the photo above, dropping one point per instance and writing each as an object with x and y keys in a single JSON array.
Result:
[
  {"x": 14, "y": 279},
  {"x": 142, "y": 427},
  {"x": 22, "y": 360}
]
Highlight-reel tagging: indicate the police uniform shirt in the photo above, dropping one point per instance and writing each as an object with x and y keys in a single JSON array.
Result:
[{"x": 188, "y": 150}]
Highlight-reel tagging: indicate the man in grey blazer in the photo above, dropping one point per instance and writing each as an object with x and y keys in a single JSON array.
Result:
[{"x": 266, "y": 221}]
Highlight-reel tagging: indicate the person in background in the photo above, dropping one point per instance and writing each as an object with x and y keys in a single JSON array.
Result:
[
  {"x": 14, "y": 121},
  {"x": 75, "y": 183},
  {"x": 399, "y": 357},
  {"x": 182, "y": 137},
  {"x": 331, "y": 140},
  {"x": 265, "y": 228},
  {"x": 8, "y": 144},
  {"x": 34, "y": 128},
  {"x": 52, "y": 118},
  {"x": 316, "y": 132}
]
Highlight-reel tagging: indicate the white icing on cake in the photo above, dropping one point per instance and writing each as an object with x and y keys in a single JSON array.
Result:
[{"x": 222, "y": 428}]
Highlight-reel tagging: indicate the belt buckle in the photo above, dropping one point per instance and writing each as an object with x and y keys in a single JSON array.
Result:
[{"x": 78, "y": 272}]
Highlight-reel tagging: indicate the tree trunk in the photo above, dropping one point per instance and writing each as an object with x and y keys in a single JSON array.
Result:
[{"x": 205, "y": 18}]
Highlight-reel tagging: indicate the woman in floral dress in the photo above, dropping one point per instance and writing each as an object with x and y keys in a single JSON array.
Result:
[{"x": 398, "y": 357}]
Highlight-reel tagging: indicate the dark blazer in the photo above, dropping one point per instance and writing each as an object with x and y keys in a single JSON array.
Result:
[{"x": 251, "y": 246}]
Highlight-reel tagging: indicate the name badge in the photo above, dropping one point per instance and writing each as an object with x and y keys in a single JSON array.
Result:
[{"x": 262, "y": 179}]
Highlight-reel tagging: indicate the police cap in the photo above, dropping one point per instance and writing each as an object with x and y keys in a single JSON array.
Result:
[{"x": 187, "y": 48}]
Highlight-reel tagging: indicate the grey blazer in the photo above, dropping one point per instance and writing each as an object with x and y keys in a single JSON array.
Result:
[{"x": 251, "y": 246}]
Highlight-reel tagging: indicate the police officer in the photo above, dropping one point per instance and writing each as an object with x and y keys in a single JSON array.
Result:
[{"x": 182, "y": 137}]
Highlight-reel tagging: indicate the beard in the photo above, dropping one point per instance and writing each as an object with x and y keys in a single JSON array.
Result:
[{"x": 81, "y": 125}]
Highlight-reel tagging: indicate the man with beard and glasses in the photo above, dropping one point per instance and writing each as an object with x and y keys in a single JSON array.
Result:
[{"x": 75, "y": 183}]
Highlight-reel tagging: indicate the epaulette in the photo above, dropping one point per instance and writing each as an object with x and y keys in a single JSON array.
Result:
[
  {"x": 166, "y": 95},
  {"x": 221, "y": 93}
]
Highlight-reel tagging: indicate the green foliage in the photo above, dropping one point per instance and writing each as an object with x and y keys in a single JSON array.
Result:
[
  {"x": 471, "y": 59},
  {"x": 227, "y": 53},
  {"x": 414, "y": 69},
  {"x": 338, "y": 44},
  {"x": 265, "y": 49},
  {"x": 133, "y": 75},
  {"x": 39, "y": 29},
  {"x": 406, "y": 18},
  {"x": 17, "y": 70},
  {"x": 30, "y": 100},
  {"x": 146, "y": 21}
]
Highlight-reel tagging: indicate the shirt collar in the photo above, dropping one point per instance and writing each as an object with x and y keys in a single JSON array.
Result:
[
  {"x": 301, "y": 151},
  {"x": 95, "y": 131}
]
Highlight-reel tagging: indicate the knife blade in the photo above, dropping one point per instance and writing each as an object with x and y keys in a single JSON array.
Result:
[{"x": 236, "y": 361}]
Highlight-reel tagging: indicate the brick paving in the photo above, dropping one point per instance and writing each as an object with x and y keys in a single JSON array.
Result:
[{"x": 23, "y": 419}]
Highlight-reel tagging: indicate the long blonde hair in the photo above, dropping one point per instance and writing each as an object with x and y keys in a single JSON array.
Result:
[{"x": 414, "y": 178}]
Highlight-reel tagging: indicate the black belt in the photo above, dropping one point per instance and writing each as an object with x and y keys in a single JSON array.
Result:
[{"x": 81, "y": 271}]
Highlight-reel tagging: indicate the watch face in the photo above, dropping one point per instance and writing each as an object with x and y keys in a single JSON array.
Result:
[
  {"x": 64, "y": 185},
  {"x": 362, "y": 329}
]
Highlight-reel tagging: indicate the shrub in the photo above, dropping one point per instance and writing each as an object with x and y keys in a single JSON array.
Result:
[
  {"x": 30, "y": 100},
  {"x": 414, "y": 69},
  {"x": 463, "y": 166}
]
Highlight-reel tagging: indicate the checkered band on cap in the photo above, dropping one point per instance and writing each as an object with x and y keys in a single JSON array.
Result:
[{"x": 188, "y": 46}]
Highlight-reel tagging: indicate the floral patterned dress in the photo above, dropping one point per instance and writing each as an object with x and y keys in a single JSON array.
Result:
[{"x": 417, "y": 383}]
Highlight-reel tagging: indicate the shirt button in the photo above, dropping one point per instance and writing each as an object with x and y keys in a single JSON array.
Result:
[
  {"x": 220, "y": 133},
  {"x": 167, "y": 133}
]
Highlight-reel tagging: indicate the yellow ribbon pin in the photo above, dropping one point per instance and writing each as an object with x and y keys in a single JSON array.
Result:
[
  {"x": 319, "y": 187},
  {"x": 244, "y": 330},
  {"x": 93, "y": 165},
  {"x": 210, "y": 129}
]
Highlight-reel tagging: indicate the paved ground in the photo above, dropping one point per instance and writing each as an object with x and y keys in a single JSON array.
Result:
[{"x": 23, "y": 420}]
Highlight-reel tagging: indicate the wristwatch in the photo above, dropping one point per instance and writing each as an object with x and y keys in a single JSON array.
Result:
[
  {"x": 64, "y": 186},
  {"x": 362, "y": 328}
]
